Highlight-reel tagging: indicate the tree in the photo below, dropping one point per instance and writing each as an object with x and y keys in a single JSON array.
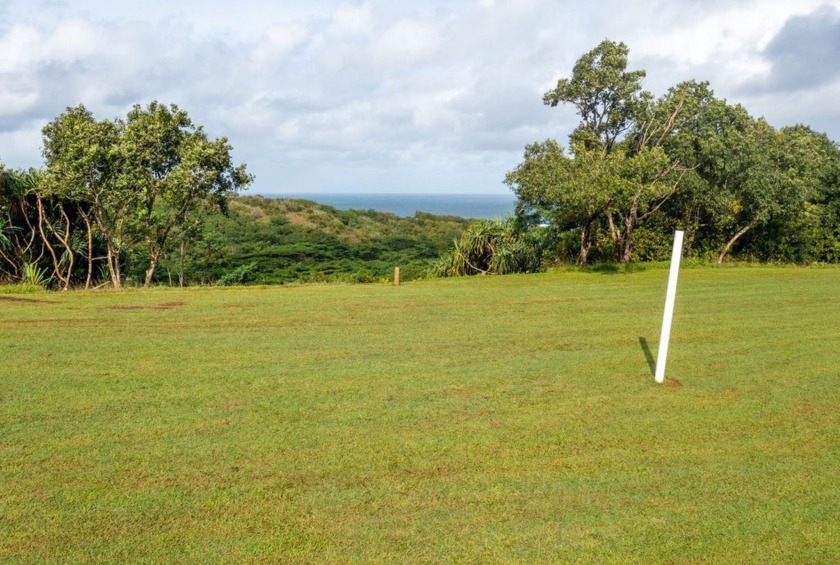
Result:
[
  {"x": 639, "y": 184},
  {"x": 742, "y": 160},
  {"x": 83, "y": 165},
  {"x": 147, "y": 178},
  {"x": 810, "y": 231},
  {"x": 566, "y": 193},
  {"x": 618, "y": 172},
  {"x": 607, "y": 96},
  {"x": 174, "y": 171},
  {"x": 6, "y": 227}
]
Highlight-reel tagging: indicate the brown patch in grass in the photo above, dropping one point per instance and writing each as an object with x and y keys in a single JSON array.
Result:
[
  {"x": 168, "y": 305},
  {"x": 669, "y": 382},
  {"x": 159, "y": 307},
  {"x": 21, "y": 299}
]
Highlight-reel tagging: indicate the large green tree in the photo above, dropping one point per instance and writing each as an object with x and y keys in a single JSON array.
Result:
[
  {"x": 607, "y": 96},
  {"x": 148, "y": 178},
  {"x": 566, "y": 193},
  {"x": 174, "y": 171},
  {"x": 618, "y": 173},
  {"x": 83, "y": 165}
]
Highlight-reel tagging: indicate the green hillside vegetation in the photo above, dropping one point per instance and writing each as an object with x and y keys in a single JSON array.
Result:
[
  {"x": 271, "y": 241},
  {"x": 476, "y": 420}
]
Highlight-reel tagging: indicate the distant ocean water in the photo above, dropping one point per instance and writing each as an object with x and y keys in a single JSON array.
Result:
[{"x": 474, "y": 206}]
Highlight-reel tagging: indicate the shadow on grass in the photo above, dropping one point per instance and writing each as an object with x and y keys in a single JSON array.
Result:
[{"x": 648, "y": 355}]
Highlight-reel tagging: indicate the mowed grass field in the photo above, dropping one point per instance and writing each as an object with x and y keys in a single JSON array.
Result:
[{"x": 491, "y": 419}]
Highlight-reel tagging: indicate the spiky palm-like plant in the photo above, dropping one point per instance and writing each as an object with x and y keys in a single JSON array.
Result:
[
  {"x": 491, "y": 247},
  {"x": 33, "y": 275}
]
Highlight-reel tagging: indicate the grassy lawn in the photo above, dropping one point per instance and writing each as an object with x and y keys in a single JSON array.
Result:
[{"x": 493, "y": 419}]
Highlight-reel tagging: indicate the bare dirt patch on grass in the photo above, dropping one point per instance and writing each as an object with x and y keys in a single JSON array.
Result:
[
  {"x": 168, "y": 305},
  {"x": 159, "y": 307},
  {"x": 29, "y": 300}
]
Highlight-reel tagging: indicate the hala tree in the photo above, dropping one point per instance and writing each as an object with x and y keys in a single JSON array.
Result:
[{"x": 491, "y": 247}]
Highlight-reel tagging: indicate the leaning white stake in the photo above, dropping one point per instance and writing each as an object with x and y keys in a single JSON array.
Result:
[{"x": 670, "y": 296}]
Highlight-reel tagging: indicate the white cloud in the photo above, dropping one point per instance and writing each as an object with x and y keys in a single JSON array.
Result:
[
  {"x": 278, "y": 41},
  {"x": 405, "y": 42},
  {"x": 341, "y": 93},
  {"x": 18, "y": 146},
  {"x": 19, "y": 46},
  {"x": 351, "y": 20}
]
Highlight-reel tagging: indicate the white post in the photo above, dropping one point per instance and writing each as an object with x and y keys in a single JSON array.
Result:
[{"x": 670, "y": 296}]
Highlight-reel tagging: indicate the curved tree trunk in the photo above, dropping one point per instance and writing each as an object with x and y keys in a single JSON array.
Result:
[
  {"x": 42, "y": 219},
  {"x": 150, "y": 271},
  {"x": 112, "y": 250},
  {"x": 618, "y": 244},
  {"x": 113, "y": 264},
  {"x": 89, "y": 249},
  {"x": 732, "y": 241},
  {"x": 585, "y": 244}
]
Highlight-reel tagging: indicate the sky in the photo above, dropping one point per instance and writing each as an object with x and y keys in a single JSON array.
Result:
[{"x": 395, "y": 96}]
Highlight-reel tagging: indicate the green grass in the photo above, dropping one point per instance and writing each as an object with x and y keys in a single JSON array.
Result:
[{"x": 491, "y": 419}]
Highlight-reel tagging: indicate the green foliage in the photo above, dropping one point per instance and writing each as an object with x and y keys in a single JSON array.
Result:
[
  {"x": 33, "y": 275},
  {"x": 491, "y": 247},
  {"x": 150, "y": 178},
  {"x": 240, "y": 275},
  {"x": 684, "y": 161},
  {"x": 607, "y": 96},
  {"x": 284, "y": 241},
  {"x": 175, "y": 173},
  {"x": 82, "y": 169}
]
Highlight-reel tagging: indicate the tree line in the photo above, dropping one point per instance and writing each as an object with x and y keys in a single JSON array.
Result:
[
  {"x": 638, "y": 167},
  {"x": 112, "y": 193},
  {"x": 124, "y": 195}
]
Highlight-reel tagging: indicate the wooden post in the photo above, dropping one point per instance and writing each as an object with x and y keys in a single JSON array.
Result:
[{"x": 396, "y": 276}]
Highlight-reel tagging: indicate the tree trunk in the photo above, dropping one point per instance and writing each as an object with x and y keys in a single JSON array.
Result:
[
  {"x": 113, "y": 265},
  {"x": 628, "y": 247},
  {"x": 585, "y": 244},
  {"x": 90, "y": 249},
  {"x": 181, "y": 263},
  {"x": 618, "y": 246},
  {"x": 629, "y": 225},
  {"x": 627, "y": 253},
  {"x": 65, "y": 284},
  {"x": 113, "y": 254},
  {"x": 150, "y": 272},
  {"x": 729, "y": 244},
  {"x": 66, "y": 243}
]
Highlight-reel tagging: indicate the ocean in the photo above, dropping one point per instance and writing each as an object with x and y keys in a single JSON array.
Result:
[{"x": 473, "y": 206}]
